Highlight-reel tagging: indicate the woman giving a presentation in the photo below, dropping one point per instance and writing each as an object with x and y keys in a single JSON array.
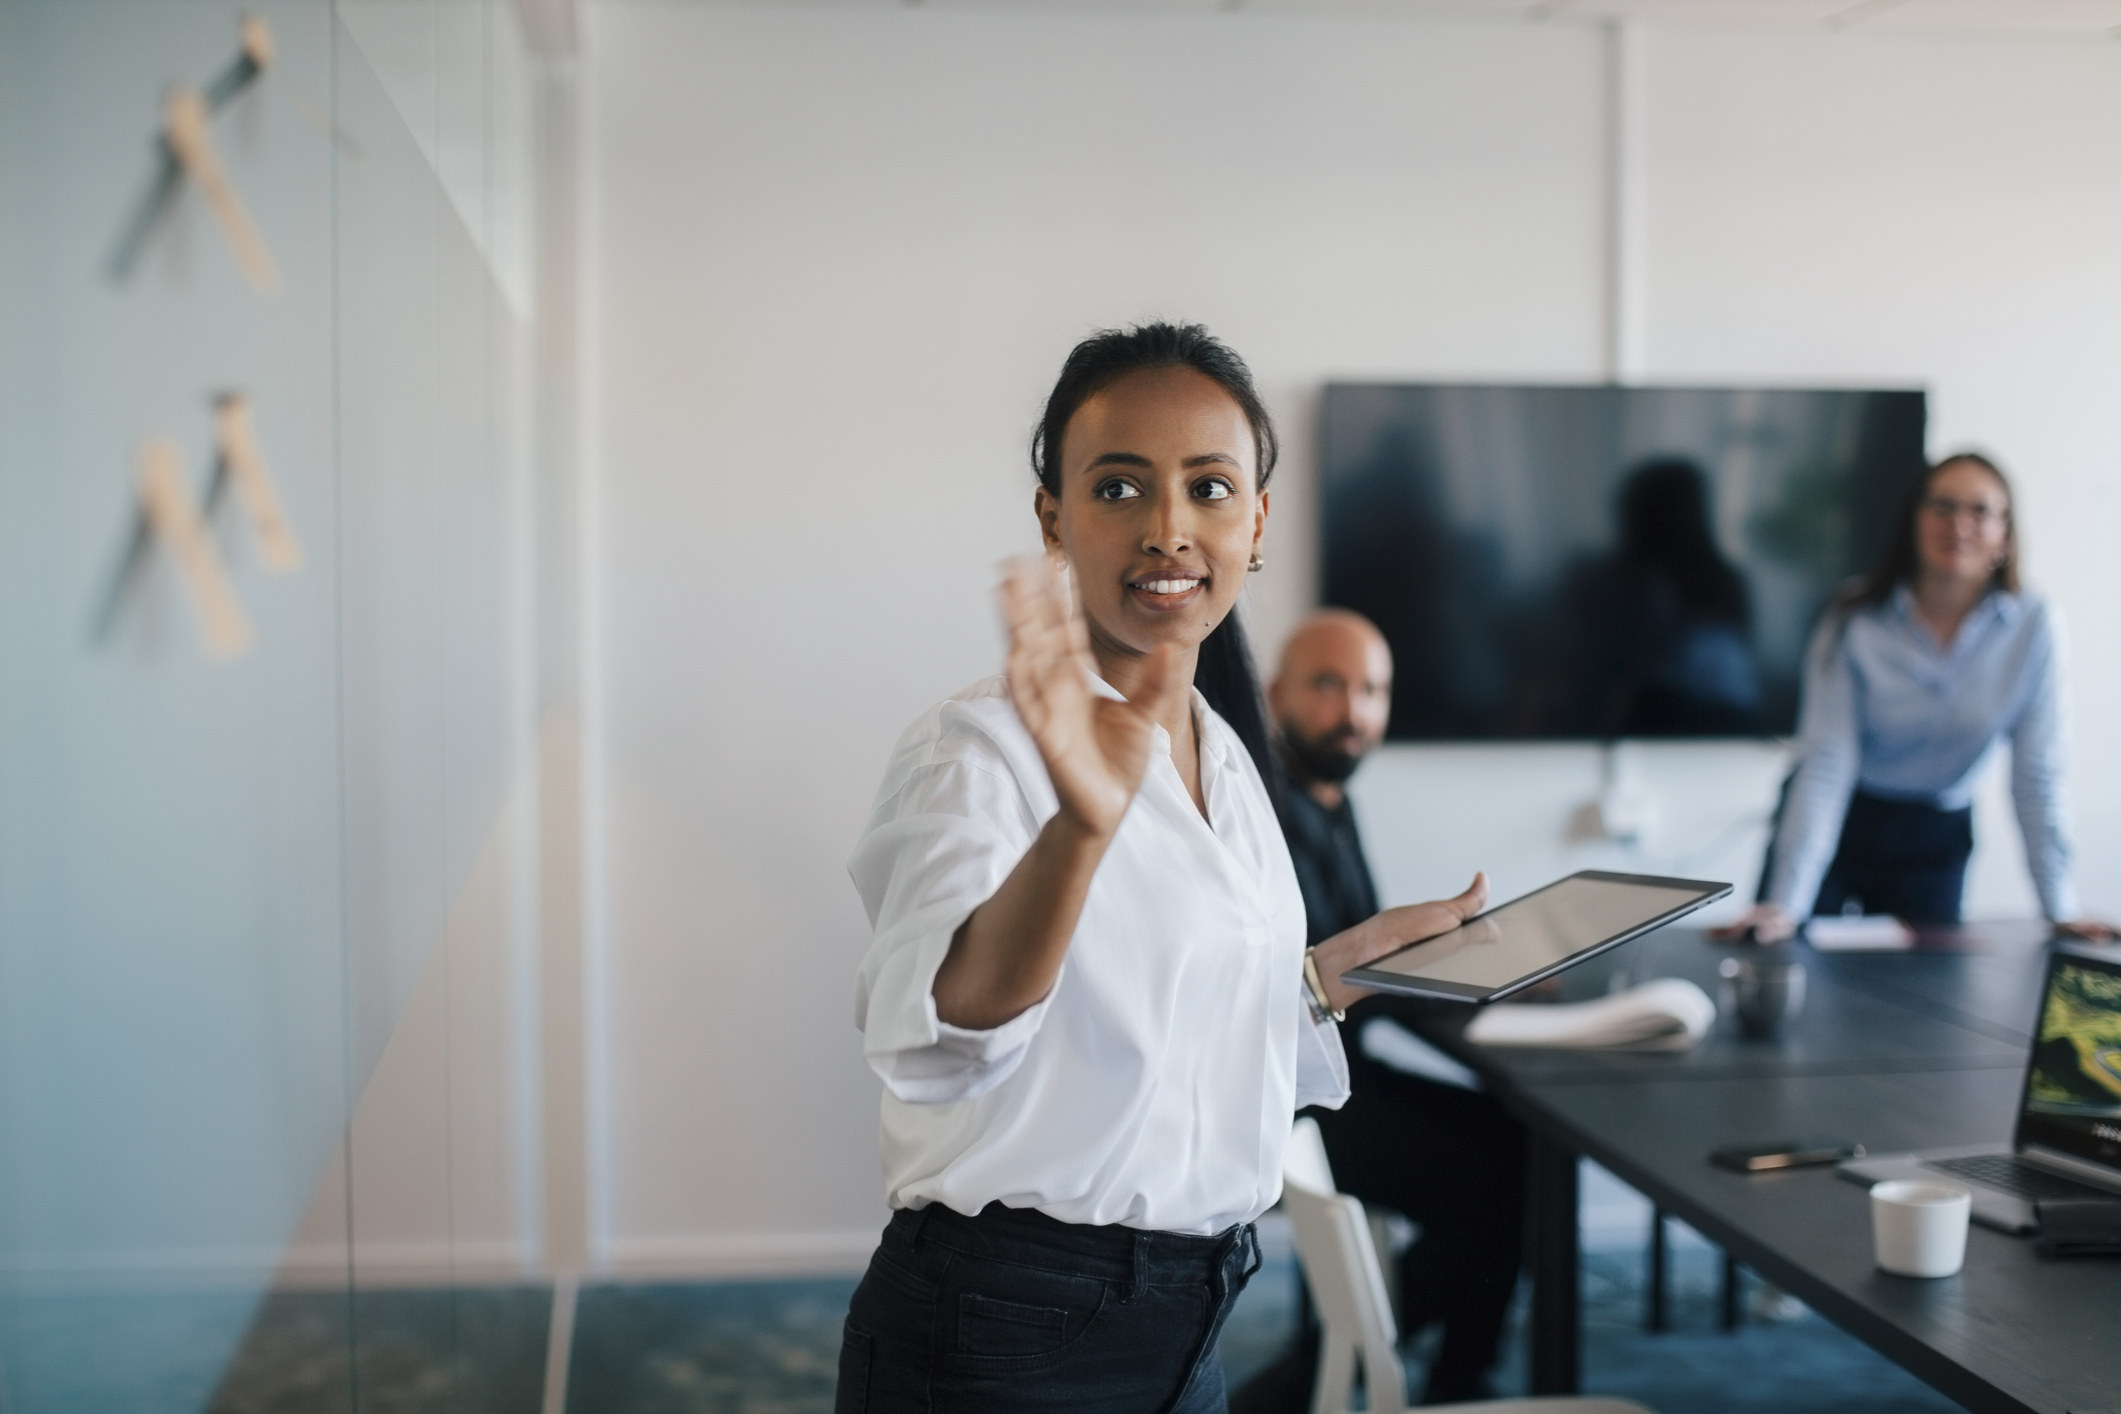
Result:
[{"x": 1088, "y": 995}]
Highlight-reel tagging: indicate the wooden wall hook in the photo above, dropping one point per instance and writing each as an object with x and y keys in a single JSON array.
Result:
[
  {"x": 224, "y": 629},
  {"x": 254, "y": 55},
  {"x": 183, "y": 148},
  {"x": 236, "y": 441},
  {"x": 184, "y": 119}
]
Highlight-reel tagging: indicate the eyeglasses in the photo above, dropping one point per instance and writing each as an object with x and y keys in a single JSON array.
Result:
[{"x": 1981, "y": 513}]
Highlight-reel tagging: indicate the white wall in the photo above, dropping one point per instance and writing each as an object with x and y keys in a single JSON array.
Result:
[
  {"x": 1938, "y": 210},
  {"x": 838, "y": 255}
]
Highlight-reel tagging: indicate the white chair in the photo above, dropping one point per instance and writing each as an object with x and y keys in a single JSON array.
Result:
[{"x": 1340, "y": 1263}]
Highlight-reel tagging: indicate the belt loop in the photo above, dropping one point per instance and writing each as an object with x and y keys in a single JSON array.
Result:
[
  {"x": 1252, "y": 1242},
  {"x": 920, "y": 1223},
  {"x": 1140, "y": 1253}
]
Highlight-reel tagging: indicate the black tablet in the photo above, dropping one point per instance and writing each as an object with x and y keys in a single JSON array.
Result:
[{"x": 1515, "y": 944}]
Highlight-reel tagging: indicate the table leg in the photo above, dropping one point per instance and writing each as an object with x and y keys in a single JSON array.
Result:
[
  {"x": 1658, "y": 1317},
  {"x": 1557, "y": 1327},
  {"x": 1733, "y": 1311}
]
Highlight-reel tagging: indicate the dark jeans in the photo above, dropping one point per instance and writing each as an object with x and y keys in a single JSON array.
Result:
[
  {"x": 1454, "y": 1162},
  {"x": 1015, "y": 1311},
  {"x": 1900, "y": 857}
]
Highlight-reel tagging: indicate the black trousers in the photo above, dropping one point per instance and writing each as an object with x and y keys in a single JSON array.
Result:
[
  {"x": 1012, "y": 1311},
  {"x": 1455, "y": 1162},
  {"x": 1900, "y": 857}
]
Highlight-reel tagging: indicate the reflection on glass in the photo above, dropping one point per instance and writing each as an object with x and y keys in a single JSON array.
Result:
[{"x": 1672, "y": 616}]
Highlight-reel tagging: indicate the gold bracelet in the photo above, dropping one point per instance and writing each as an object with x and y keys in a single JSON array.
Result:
[{"x": 1321, "y": 1006}]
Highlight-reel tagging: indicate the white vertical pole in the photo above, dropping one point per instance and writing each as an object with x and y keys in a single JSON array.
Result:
[{"x": 1623, "y": 42}]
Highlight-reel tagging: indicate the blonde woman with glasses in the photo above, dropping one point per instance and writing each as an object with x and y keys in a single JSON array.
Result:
[{"x": 1917, "y": 672}]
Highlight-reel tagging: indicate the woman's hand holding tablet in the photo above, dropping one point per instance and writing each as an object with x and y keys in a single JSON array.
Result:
[
  {"x": 1534, "y": 937},
  {"x": 1388, "y": 932}
]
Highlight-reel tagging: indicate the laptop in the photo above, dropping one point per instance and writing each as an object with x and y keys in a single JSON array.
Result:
[{"x": 2068, "y": 1138}]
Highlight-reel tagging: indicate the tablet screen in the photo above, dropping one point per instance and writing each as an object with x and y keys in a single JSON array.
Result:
[{"x": 1536, "y": 936}]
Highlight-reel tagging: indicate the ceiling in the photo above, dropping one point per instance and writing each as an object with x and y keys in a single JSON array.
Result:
[
  {"x": 2088, "y": 17},
  {"x": 2084, "y": 18}
]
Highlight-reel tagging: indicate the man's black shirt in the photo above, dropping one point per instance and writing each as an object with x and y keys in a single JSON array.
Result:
[
  {"x": 1330, "y": 868},
  {"x": 1449, "y": 1159},
  {"x": 1334, "y": 875}
]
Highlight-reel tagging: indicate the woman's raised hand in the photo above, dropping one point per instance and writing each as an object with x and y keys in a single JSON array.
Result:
[
  {"x": 1008, "y": 954},
  {"x": 1096, "y": 749}
]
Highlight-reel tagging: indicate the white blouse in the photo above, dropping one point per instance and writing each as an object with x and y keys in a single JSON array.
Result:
[{"x": 1155, "y": 1085}]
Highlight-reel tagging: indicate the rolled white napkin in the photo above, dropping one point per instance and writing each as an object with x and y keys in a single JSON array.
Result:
[
  {"x": 1668, "y": 1014},
  {"x": 1872, "y": 932}
]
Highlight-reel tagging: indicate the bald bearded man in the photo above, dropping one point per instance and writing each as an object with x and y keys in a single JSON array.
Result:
[{"x": 1445, "y": 1155}]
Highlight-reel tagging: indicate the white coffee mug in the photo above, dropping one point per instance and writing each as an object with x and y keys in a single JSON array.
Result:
[{"x": 1918, "y": 1229}]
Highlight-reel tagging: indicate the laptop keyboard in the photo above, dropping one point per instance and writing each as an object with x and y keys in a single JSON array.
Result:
[{"x": 2020, "y": 1180}]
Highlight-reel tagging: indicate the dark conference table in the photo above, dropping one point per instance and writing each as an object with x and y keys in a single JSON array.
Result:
[{"x": 1894, "y": 1051}]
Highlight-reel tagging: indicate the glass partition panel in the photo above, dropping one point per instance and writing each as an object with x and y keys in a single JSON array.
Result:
[
  {"x": 267, "y": 804},
  {"x": 439, "y": 786},
  {"x": 172, "y": 1051}
]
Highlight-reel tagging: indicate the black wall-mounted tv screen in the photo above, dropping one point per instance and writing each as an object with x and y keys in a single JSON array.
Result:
[{"x": 1603, "y": 562}]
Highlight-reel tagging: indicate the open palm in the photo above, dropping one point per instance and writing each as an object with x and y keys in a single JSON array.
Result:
[{"x": 1096, "y": 748}]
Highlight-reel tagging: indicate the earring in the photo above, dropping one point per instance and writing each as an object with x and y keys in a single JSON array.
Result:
[{"x": 1259, "y": 562}]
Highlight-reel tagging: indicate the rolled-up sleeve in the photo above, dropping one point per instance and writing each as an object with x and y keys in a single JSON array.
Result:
[
  {"x": 1827, "y": 762},
  {"x": 1321, "y": 1062},
  {"x": 2036, "y": 783},
  {"x": 942, "y": 838}
]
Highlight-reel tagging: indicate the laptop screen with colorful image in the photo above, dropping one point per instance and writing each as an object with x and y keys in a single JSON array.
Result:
[{"x": 2073, "y": 1085}]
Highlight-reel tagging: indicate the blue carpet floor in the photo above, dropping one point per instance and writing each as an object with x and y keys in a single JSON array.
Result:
[
  {"x": 1762, "y": 1368},
  {"x": 725, "y": 1348},
  {"x": 770, "y": 1347},
  {"x": 472, "y": 1350}
]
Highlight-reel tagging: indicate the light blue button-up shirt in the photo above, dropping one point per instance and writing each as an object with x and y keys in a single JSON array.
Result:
[{"x": 1891, "y": 711}]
